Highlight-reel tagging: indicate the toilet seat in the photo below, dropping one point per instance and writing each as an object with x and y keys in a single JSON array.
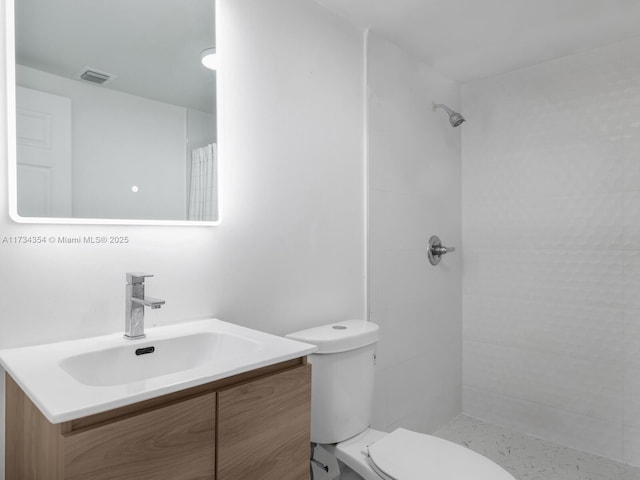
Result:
[{"x": 407, "y": 455}]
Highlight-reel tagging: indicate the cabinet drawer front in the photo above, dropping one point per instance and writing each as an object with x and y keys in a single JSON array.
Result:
[
  {"x": 264, "y": 428},
  {"x": 176, "y": 442}
]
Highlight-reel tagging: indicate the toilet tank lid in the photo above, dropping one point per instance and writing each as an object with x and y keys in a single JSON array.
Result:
[{"x": 339, "y": 336}]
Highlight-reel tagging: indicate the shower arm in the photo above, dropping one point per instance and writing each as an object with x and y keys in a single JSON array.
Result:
[{"x": 435, "y": 106}]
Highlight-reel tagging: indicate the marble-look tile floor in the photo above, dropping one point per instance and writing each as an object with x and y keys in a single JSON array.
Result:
[
  {"x": 530, "y": 458},
  {"x": 527, "y": 457}
]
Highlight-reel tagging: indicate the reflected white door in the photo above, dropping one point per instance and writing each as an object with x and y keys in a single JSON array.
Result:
[{"x": 43, "y": 131}]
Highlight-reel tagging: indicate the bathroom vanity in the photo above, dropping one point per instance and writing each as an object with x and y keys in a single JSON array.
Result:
[{"x": 249, "y": 425}]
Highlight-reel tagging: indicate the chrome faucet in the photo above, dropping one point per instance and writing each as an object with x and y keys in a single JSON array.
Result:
[{"x": 135, "y": 303}]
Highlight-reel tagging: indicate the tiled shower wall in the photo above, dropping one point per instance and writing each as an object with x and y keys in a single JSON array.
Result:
[
  {"x": 551, "y": 265},
  {"x": 414, "y": 192}
]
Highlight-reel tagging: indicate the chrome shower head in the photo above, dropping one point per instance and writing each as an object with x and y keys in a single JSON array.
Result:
[{"x": 455, "y": 118}]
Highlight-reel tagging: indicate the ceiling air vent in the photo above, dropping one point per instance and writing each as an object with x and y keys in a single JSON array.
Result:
[{"x": 94, "y": 75}]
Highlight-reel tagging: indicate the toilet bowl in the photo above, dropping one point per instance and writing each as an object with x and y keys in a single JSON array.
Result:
[
  {"x": 343, "y": 371},
  {"x": 406, "y": 455}
]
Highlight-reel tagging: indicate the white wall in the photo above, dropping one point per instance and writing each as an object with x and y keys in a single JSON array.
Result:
[
  {"x": 289, "y": 253},
  {"x": 551, "y": 217},
  {"x": 120, "y": 140},
  {"x": 414, "y": 189},
  {"x": 201, "y": 128}
]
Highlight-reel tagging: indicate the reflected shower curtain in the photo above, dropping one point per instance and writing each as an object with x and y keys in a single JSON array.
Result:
[{"x": 203, "y": 184}]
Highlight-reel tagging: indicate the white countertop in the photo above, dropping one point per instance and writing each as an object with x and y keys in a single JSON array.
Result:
[{"x": 62, "y": 395}]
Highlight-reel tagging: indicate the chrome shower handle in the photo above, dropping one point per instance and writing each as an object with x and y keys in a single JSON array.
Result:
[
  {"x": 435, "y": 250},
  {"x": 441, "y": 250}
]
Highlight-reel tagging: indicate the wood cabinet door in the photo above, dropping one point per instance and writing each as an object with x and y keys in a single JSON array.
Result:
[
  {"x": 32, "y": 447},
  {"x": 174, "y": 442},
  {"x": 264, "y": 428}
]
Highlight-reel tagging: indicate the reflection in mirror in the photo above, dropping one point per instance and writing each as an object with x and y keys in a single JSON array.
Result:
[{"x": 115, "y": 113}]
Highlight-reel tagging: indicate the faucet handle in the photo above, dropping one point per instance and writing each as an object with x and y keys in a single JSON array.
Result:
[{"x": 137, "y": 278}]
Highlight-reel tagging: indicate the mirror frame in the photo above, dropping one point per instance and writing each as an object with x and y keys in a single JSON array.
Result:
[{"x": 10, "y": 79}]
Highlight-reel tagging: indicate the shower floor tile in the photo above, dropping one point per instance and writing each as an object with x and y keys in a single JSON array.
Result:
[{"x": 529, "y": 458}]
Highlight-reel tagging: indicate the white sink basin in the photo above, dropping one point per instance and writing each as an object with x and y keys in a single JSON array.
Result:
[
  {"x": 148, "y": 359},
  {"x": 73, "y": 379}
]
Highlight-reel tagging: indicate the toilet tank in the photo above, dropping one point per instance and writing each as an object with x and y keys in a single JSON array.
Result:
[{"x": 343, "y": 371}]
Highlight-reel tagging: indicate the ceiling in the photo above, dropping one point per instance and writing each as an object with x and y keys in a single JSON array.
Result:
[
  {"x": 151, "y": 46},
  {"x": 471, "y": 39}
]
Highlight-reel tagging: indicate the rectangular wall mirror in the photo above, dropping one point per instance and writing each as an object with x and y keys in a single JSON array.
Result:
[{"x": 115, "y": 113}]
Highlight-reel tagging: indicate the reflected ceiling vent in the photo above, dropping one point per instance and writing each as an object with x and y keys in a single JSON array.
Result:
[{"x": 93, "y": 75}]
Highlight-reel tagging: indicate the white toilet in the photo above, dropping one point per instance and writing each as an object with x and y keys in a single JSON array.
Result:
[{"x": 342, "y": 398}]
